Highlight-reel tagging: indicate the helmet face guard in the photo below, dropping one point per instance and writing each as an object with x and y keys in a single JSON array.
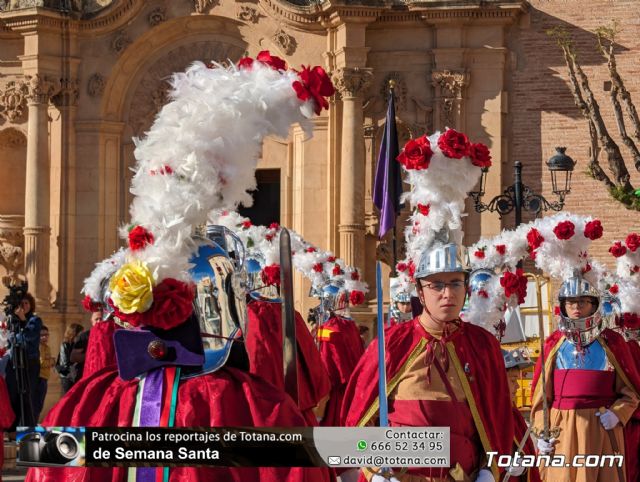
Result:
[
  {"x": 219, "y": 303},
  {"x": 582, "y": 331}
]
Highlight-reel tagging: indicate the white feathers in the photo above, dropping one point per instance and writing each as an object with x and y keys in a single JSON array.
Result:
[
  {"x": 441, "y": 190},
  {"x": 200, "y": 154}
]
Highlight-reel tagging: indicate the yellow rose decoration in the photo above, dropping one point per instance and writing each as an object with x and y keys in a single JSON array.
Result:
[{"x": 132, "y": 288}]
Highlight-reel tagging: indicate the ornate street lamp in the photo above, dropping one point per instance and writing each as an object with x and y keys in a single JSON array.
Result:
[{"x": 519, "y": 196}]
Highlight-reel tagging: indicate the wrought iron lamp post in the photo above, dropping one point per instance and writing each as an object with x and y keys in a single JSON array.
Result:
[{"x": 519, "y": 196}]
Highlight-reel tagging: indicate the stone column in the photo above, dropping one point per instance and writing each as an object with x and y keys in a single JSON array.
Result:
[
  {"x": 36, "y": 219},
  {"x": 66, "y": 101},
  {"x": 351, "y": 83}
]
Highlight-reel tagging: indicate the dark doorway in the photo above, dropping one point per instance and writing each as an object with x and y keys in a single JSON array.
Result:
[{"x": 266, "y": 198}]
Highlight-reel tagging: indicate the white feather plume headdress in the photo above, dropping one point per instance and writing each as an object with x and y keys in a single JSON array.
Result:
[
  {"x": 200, "y": 154},
  {"x": 319, "y": 266},
  {"x": 625, "y": 286}
]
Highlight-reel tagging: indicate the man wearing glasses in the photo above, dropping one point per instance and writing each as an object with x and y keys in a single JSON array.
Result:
[{"x": 440, "y": 372}]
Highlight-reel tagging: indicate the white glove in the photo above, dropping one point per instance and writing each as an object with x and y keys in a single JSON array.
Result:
[
  {"x": 608, "y": 419},
  {"x": 485, "y": 475},
  {"x": 545, "y": 447},
  {"x": 516, "y": 470},
  {"x": 380, "y": 478}
]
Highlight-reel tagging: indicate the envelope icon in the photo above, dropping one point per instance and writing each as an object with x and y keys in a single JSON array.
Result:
[{"x": 334, "y": 460}]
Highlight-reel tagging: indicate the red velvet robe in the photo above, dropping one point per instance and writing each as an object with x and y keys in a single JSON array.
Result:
[
  {"x": 476, "y": 356},
  {"x": 101, "y": 351},
  {"x": 6, "y": 417},
  {"x": 263, "y": 342},
  {"x": 226, "y": 398},
  {"x": 340, "y": 347},
  {"x": 632, "y": 430}
]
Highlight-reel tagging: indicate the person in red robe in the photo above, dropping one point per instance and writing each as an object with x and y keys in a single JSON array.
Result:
[
  {"x": 219, "y": 395},
  {"x": 340, "y": 347},
  {"x": 603, "y": 375},
  {"x": 6, "y": 418},
  {"x": 440, "y": 372},
  {"x": 263, "y": 343}
]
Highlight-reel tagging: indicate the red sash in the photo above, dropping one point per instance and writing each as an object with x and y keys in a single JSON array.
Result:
[{"x": 574, "y": 389}]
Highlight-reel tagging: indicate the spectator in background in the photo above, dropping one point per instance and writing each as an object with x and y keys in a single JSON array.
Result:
[
  {"x": 79, "y": 351},
  {"x": 46, "y": 362},
  {"x": 29, "y": 337},
  {"x": 65, "y": 368}
]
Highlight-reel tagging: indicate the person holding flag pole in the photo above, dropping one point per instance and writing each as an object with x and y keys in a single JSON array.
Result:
[{"x": 439, "y": 370}]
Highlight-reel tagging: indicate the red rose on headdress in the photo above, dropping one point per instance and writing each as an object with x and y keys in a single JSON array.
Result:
[
  {"x": 139, "y": 238},
  {"x": 501, "y": 249},
  {"x": 424, "y": 210},
  {"x": 401, "y": 267},
  {"x": 483, "y": 293},
  {"x": 635, "y": 269},
  {"x": 311, "y": 249},
  {"x": 586, "y": 269},
  {"x": 337, "y": 270},
  {"x": 355, "y": 276},
  {"x": 416, "y": 154},
  {"x": 271, "y": 275},
  {"x": 269, "y": 237},
  {"x": 331, "y": 259},
  {"x": 318, "y": 267},
  {"x": 246, "y": 224},
  {"x": 314, "y": 84},
  {"x": 356, "y": 297},
  {"x": 534, "y": 238},
  {"x": 454, "y": 144},
  {"x": 480, "y": 155},
  {"x": 479, "y": 254},
  {"x": 412, "y": 269},
  {"x": 565, "y": 230},
  {"x": 618, "y": 249},
  {"x": 89, "y": 305},
  {"x": 614, "y": 289},
  {"x": 514, "y": 283},
  {"x": 633, "y": 242},
  {"x": 274, "y": 226},
  {"x": 245, "y": 63},
  {"x": 593, "y": 229},
  {"x": 276, "y": 63},
  {"x": 172, "y": 305}
]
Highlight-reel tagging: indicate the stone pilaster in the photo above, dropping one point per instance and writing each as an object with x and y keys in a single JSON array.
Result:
[
  {"x": 37, "y": 229},
  {"x": 66, "y": 101},
  {"x": 351, "y": 83}
]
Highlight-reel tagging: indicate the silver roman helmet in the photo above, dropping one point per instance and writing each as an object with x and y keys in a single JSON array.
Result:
[
  {"x": 220, "y": 300},
  {"x": 442, "y": 256},
  {"x": 582, "y": 331},
  {"x": 400, "y": 293}
]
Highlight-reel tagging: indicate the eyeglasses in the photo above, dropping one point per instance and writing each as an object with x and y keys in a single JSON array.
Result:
[
  {"x": 579, "y": 303},
  {"x": 440, "y": 286}
]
